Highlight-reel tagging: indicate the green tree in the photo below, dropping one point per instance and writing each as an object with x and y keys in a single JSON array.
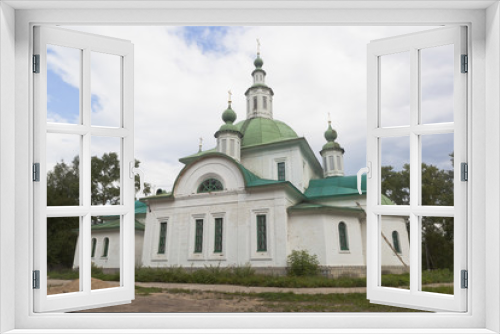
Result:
[
  {"x": 63, "y": 189},
  {"x": 437, "y": 189}
]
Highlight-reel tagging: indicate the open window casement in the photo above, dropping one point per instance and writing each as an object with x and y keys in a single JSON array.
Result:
[
  {"x": 83, "y": 129},
  {"x": 417, "y": 102}
]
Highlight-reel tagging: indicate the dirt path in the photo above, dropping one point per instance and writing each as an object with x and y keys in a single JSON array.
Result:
[{"x": 197, "y": 298}]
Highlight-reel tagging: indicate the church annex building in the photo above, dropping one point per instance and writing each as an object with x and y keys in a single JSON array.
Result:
[{"x": 253, "y": 199}]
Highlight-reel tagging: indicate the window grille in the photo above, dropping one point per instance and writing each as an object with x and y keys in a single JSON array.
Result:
[
  {"x": 264, "y": 102},
  {"x": 344, "y": 245},
  {"x": 163, "y": 237},
  {"x": 198, "y": 238},
  {"x": 261, "y": 233},
  {"x": 281, "y": 171},
  {"x": 218, "y": 235},
  {"x": 210, "y": 185},
  {"x": 255, "y": 103}
]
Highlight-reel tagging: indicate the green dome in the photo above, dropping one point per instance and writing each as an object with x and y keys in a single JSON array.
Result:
[
  {"x": 264, "y": 130},
  {"x": 258, "y": 62},
  {"x": 229, "y": 115},
  {"x": 330, "y": 134}
]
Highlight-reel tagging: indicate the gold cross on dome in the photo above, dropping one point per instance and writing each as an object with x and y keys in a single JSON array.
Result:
[
  {"x": 230, "y": 94},
  {"x": 258, "y": 46}
]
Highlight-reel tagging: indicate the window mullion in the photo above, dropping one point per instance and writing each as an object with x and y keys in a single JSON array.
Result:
[
  {"x": 85, "y": 175},
  {"x": 414, "y": 169}
]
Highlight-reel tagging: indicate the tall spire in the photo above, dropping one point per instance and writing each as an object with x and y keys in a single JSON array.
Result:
[
  {"x": 332, "y": 153},
  {"x": 259, "y": 95},
  {"x": 229, "y": 136}
]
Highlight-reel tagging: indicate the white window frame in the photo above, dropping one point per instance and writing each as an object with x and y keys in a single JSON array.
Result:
[
  {"x": 192, "y": 256},
  {"x": 16, "y": 127}
]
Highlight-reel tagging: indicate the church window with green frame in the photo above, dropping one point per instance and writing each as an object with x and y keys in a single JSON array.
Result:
[
  {"x": 395, "y": 242},
  {"x": 218, "y": 235},
  {"x": 94, "y": 244},
  {"x": 261, "y": 233},
  {"x": 198, "y": 236},
  {"x": 162, "y": 238},
  {"x": 281, "y": 171},
  {"x": 210, "y": 185},
  {"x": 106, "y": 247},
  {"x": 344, "y": 244}
]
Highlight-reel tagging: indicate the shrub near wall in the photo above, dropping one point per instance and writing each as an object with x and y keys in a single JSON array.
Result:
[{"x": 301, "y": 263}]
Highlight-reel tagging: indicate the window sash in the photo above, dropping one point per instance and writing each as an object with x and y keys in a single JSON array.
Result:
[
  {"x": 414, "y": 297},
  {"x": 281, "y": 171},
  {"x": 85, "y": 298},
  {"x": 162, "y": 238},
  {"x": 198, "y": 238},
  {"x": 218, "y": 235},
  {"x": 261, "y": 233},
  {"x": 344, "y": 245}
]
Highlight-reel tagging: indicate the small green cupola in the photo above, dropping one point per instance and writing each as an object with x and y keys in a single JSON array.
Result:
[
  {"x": 259, "y": 95},
  {"x": 332, "y": 153},
  {"x": 229, "y": 136}
]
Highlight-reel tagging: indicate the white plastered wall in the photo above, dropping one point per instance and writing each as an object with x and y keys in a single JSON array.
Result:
[{"x": 264, "y": 164}]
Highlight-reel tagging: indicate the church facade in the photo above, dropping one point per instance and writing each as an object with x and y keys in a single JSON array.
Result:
[
  {"x": 260, "y": 194},
  {"x": 257, "y": 196}
]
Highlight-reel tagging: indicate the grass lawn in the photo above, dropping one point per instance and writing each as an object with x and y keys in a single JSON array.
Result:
[{"x": 246, "y": 276}]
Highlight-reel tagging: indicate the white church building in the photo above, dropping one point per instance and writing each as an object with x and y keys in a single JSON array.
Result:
[{"x": 260, "y": 194}]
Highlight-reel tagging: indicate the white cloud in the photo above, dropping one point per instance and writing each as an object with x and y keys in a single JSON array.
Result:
[{"x": 181, "y": 89}]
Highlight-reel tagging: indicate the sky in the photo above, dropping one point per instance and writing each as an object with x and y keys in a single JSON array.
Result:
[{"x": 182, "y": 75}]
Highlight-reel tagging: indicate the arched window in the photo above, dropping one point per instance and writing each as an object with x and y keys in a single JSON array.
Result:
[
  {"x": 344, "y": 245},
  {"x": 94, "y": 243},
  {"x": 210, "y": 185},
  {"x": 106, "y": 247},
  {"x": 395, "y": 241}
]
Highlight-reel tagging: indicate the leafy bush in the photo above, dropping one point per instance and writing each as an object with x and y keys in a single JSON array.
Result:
[{"x": 301, "y": 263}]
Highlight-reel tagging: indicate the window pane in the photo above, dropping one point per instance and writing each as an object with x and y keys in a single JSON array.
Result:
[
  {"x": 437, "y": 169},
  {"x": 436, "y": 78},
  {"x": 105, "y": 170},
  {"x": 63, "y": 169},
  {"x": 281, "y": 171},
  {"x": 62, "y": 255},
  {"x": 218, "y": 235},
  {"x": 198, "y": 237},
  {"x": 63, "y": 84},
  {"x": 343, "y": 240},
  {"x": 105, "y": 269},
  {"x": 395, "y": 89},
  {"x": 437, "y": 254},
  {"x": 395, "y": 251},
  {"x": 395, "y": 170},
  {"x": 162, "y": 239},
  {"x": 261, "y": 233},
  {"x": 105, "y": 89}
]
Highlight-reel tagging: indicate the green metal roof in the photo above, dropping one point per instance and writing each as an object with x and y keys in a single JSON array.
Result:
[
  {"x": 260, "y": 130},
  {"x": 193, "y": 157},
  {"x": 114, "y": 224},
  {"x": 305, "y": 206},
  {"x": 140, "y": 207},
  {"x": 335, "y": 186}
]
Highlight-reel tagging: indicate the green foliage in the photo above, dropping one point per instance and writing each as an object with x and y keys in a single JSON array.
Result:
[
  {"x": 63, "y": 189},
  {"x": 301, "y": 263},
  {"x": 437, "y": 189}
]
